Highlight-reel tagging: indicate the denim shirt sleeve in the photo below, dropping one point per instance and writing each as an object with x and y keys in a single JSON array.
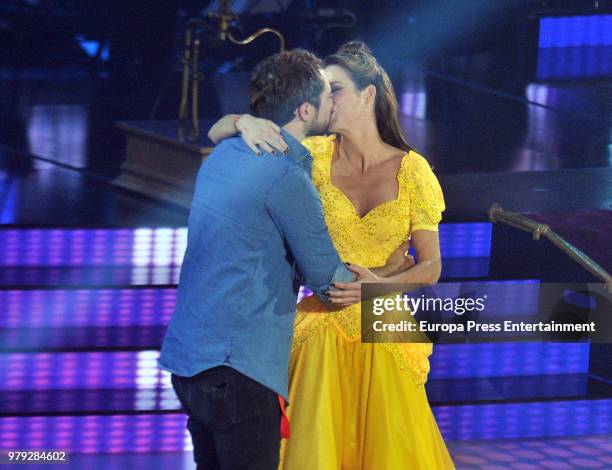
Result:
[
  {"x": 343, "y": 274},
  {"x": 295, "y": 207}
]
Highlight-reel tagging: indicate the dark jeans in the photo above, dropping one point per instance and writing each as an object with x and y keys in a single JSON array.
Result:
[{"x": 234, "y": 421}]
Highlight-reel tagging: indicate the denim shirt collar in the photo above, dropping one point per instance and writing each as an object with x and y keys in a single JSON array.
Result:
[{"x": 297, "y": 152}]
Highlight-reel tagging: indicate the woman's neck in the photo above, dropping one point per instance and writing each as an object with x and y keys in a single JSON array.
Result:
[{"x": 362, "y": 147}]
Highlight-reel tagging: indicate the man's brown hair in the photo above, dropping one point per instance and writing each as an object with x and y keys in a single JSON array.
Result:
[{"x": 283, "y": 82}]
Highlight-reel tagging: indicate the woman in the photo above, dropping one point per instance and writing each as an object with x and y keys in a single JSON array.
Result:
[{"x": 357, "y": 405}]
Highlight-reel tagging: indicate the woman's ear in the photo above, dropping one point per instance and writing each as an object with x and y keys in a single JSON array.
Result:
[{"x": 369, "y": 96}]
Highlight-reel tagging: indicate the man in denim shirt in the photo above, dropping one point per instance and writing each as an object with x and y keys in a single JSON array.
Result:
[{"x": 255, "y": 223}]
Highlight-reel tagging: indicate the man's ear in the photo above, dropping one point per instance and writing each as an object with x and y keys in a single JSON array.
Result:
[{"x": 304, "y": 112}]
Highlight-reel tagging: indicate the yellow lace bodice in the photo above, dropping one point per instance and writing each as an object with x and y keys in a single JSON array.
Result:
[{"x": 369, "y": 241}]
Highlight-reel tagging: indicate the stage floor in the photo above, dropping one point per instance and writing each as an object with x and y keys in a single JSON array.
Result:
[
  {"x": 585, "y": 452},
  {"x": 60, "y": 197}
]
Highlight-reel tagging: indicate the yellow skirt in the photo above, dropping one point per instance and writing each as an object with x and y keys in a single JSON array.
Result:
[{"x": 351, "y": 407}]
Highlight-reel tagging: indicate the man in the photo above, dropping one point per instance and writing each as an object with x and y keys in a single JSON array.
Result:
[{"x": 254, "y": 223}]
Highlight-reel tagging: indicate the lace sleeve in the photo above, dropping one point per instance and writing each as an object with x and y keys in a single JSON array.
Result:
[{"x": 426, "y": 199}]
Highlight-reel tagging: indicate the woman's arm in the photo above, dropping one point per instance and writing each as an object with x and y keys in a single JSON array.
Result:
[
  {"x": 397, "y": 262},
  {"x": 224, "y": 128},
  {"x": 427, "y": 270},
  {"x": 256, "y": 132}
]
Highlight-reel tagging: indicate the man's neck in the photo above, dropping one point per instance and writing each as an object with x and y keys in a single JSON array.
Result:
[{"x": 296, "y": 129}]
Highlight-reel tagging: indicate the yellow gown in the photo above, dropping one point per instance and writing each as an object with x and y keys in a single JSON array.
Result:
[{"x": 355, "y": 405}]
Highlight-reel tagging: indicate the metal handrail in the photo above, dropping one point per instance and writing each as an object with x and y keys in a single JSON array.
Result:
[{"x": 538, "y": 230}]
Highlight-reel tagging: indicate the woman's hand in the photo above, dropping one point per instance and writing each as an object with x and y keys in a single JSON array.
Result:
[
  {"x": 262, "y": 133},
  {"x": 350, "y": 292}
]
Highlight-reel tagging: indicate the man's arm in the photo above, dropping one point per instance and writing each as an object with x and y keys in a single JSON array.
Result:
[{"x": 295, "y": 206}]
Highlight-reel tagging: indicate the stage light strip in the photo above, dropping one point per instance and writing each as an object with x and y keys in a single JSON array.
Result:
[
  {"x": 574, "y": 62},
  {"x": 155, "y": 247},
  {"x": 138, "y": 370},
  {"x": 523, "y": 420},
  {"x": 97, "y": 434},
  {"x": 93, "y": 247},
  {"x": 167, "y": 432},
  {"x": 38, "y": 308},
  {"x": 575, "y": 31},
  {"x": 457, "y": 361},
  {"x": 466, "y": 240},
  {"x": 81, "y": 370},
  {"x": 86, "y": 307}
]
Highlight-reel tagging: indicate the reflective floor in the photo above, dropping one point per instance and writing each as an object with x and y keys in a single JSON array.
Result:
[{"x": 525, "y": 454}]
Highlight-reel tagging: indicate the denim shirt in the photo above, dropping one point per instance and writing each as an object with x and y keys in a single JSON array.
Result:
[{"x": 256, "y": 231}]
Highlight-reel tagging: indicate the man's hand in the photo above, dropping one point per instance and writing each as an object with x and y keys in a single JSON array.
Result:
[
  {"x": 350, "y": 292},
  {"x": 399, "y": 260}
]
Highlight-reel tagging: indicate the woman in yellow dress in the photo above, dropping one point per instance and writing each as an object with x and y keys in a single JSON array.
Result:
[{"x": 357, "y": 405}]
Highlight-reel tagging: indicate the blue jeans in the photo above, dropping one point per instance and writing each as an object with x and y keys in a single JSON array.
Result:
[{"x": 234, "y": 421}]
